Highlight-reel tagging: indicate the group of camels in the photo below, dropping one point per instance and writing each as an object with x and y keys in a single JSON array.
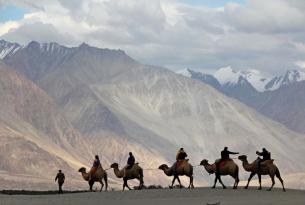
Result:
[{"x": 186, "y": 169}]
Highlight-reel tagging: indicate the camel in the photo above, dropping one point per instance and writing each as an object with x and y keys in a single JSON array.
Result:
[
  {"x": 186, "y": 169},
  {"x": 98, "y": 176},
  {"x": 267, "y": 168},
  {"x": 229, "y": 168},
  {"x": 136, "y": 172}
]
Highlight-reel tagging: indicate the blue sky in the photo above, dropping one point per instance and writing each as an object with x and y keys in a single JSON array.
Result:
[{"x": 11, "y": 13}]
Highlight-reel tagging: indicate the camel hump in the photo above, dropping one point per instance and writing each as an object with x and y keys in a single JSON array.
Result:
[{"x": 267, "y": 162}]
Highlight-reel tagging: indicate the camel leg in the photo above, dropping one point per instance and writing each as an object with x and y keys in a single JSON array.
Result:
[
  {"x": 272, "y": 180},
  {"x": 260, "y": 181},
  {"x": 180, "y": 185},
  {"x": 236, "y": 181},
  {"x": 250, "y": 177},
  {"x": 124, "y": 183},
  {"x": 102, "y": 184},
  {"x": 174, "y": 179},
  {"x": 90, "y": 185},
  {"x": 189, "y": 185},
  {"x": 141, "y": 182},
  {"x": 191, "y": 182},
  {"x": 220, "y": 181},
  {"x": 106, "y": 182},
  {"x": 215, "y": 181},
  {"x": 278, "y": 175}
]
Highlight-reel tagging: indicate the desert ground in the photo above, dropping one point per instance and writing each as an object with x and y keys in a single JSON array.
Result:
[{"x": 195, "y": 196}]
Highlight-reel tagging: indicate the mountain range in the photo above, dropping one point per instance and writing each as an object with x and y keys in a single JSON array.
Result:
[
  {"x": 101, "y": 101},
  {"x": 280, "y": 98}
]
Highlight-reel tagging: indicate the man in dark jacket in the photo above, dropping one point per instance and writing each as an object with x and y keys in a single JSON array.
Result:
[
  {"x": 181, "y": 154},
  {"x": 60, "y": 178},
  {"x": 180, "y": 157},
  {"x": 266, "y": 156},
  {"x": 225, "y": 155},
  {"x": 130, "y": 162}
]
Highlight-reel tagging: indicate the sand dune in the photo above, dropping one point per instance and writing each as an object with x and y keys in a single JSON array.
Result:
[{"x": 200, "y": 196}]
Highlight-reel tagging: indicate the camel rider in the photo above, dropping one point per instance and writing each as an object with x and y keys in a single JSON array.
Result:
[
  {"x": 225, "y": 155},
  {"x": 266, "y": 156},
  {"x": 130, "y": 162},
  {"x": 60, "y": 178},
  {"x": 180, "y": 156},
  {"x": 96, "y": 164}
]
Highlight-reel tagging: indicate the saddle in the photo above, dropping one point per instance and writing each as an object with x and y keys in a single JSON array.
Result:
[
  {"x": 267, "y": 162},
  {"x": 180, "y": 162},
  {"x": 222, "y": 163}
]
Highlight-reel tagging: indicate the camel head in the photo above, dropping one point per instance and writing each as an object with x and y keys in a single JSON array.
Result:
[
  {"x": 114, "y": 166},
  {"x": 204, "y": 162},
  {"x": 82, "y": 170},
  {"x": 242, "y": 157},
  {"x": 163, "y": 166}
]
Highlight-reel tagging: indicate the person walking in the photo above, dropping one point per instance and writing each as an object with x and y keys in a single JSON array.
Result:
[{"x": 60, "y": 178}]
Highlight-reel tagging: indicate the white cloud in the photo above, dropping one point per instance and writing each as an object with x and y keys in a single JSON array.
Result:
[
  {"x": 300, "y": 64},
  {"x": 266, "y": 35},
  {"x": 7, "y": 26}
]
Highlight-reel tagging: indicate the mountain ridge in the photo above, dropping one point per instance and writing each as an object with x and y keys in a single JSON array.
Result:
[{"x": 119, "y": 105}]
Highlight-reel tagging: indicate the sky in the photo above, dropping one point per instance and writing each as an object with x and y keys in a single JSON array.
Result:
[{"x": 268, "y": 36}]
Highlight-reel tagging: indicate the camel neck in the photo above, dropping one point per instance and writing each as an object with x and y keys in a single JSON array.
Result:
[
  {"x": 85, "y": 176},
  {"x": 118, "y": 173},
  {"x": 167, "y": 171},
  {"x": 246, "y": 165},
  {"x": 209, "y": 168}
]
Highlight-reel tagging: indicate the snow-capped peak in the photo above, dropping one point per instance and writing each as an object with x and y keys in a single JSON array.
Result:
[
  {"x": 291, "y": 76},
  {"x": 185, "y": 72},
  {"x": 7, "y": 48},
  {"x": 227, "y": 75},
  {"x": 256, "y": 79}
]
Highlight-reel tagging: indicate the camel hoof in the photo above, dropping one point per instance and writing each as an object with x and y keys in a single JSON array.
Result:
[
  {"x": 234, "y": 187},
  {"x": 213, "y": 187},
  {"x": 259, "y": 188},
  {"x": 284, "y": 190},
  {"x": 268, "y": 189},
  {"x": 224, "y": 187},
  {"x": 245, "y": 187},
  {"x": 171, "y": 187}
]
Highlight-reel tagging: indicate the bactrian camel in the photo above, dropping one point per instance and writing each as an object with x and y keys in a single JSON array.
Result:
[
  {"x": 184, "y": 169},
  {"x": 266, "y": 168},
  {"x": 98, "y": 176},
  {"x": 229, "y": 167},
  {"x": 136, "y": 172}
]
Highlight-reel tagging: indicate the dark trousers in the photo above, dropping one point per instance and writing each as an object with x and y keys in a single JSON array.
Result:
[{"x": 60, "y": 187}]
